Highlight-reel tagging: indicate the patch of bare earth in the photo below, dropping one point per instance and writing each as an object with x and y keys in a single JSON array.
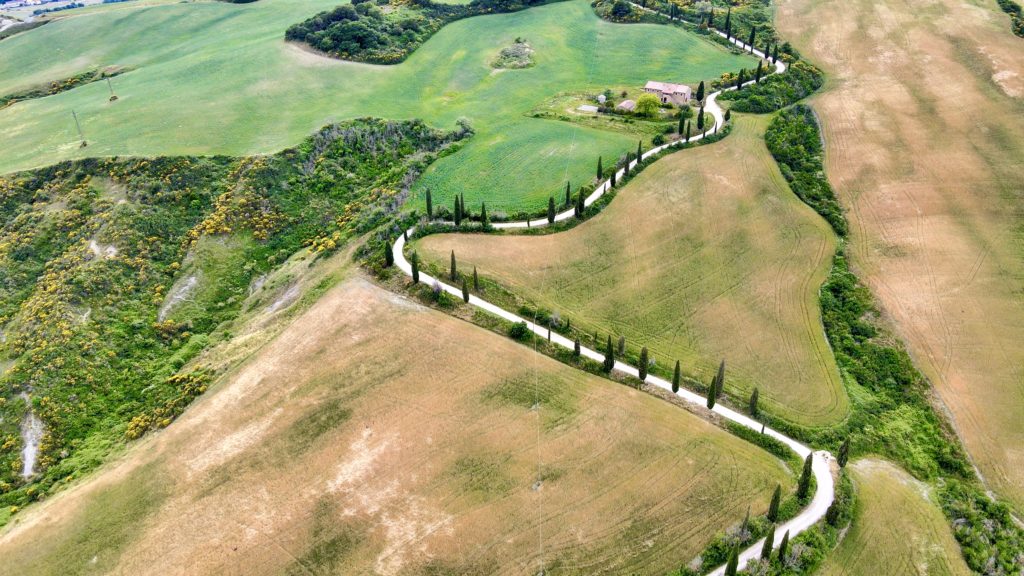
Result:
[
  {"x": 374, "y": 436},
  {"x": 925, "y": 146}
]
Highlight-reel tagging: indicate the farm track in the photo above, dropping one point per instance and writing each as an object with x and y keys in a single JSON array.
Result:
[{"x": 825, "y": 491}]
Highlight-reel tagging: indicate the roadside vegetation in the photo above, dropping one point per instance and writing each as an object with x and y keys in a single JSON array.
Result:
[
  {"x": 1016, "y": 14},
  {"x": 117, "y": 272}
]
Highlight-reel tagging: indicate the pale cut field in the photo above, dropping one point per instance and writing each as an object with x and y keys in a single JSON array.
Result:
[
  {"x": 706, "y": 255},
  {"x": 925, "y": 147},
  {"x": 898, "y": 529},
  {"x": 375, "y": 436}
]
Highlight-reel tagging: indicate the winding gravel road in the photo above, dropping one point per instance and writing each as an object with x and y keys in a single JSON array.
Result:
[{"x": 825, "y": 492}]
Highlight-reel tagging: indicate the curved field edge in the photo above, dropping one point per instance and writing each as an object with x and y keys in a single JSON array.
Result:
[
  {"x": 657, "y": 247},
  {"x": 370, "y": 413}
]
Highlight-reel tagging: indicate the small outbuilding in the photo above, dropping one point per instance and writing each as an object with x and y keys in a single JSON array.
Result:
[{"x": 627, "y": 105}]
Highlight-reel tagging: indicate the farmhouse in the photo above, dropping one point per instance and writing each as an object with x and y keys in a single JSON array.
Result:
[{"x": 677, "y": 94}]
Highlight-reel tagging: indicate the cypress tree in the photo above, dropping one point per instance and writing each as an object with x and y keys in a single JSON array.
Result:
[
  {"x": 844, "y": 453},
  {"x": 576, "y": 349},
  {"x": 728, "y": 23},
  {"x": 389, "y": 255},
  {"x": 415, "y": 268},
  {"x": 720, "y": 378},
  {"x": 769, "y": 543},
  {"x": 775, "y": 54},
  {"x": 711, "y": 396},
  {"x": 458, "y": 212},
  {"x": 600, "y": 170},
  {"x": 430, "y": 205},
  {"x": 688, "y": 126},
  {"x": 804, "y": 485},
  {"x": 759, "y": 72},
  {"x": 733, "y": 564},
  {"x": 753, "y": 403},
  {"x": 700, "y": 119},
  {"x": 580, "y": 205},
  {"x": 773, "y": 508},
  {"x": 700, "y": 92},
  {"x": 462, "y": 205},
  {"x": 643, "y": 364},
  {"x": 551, "y": 209},
  {"x": 625, "y": 169},
  {"x": 832, "y": 514},
  {"x": 750, "y": 42},
  {"x": 609, "y": 356},
  {"x": 783, "y": 547},
  {"x": 622, "y": 345},
  {"x": 742, "y": 77},
  {"x": 675, "y": 379},
  {"x": 453, "y": 273},
  {"x": 682, "y": 122},
  {"x": 711, "y": 17},
  {"x": 744, "y": 534},
  {"x": 639, "y": 151},
  {"x": 568, "y": 195},
  {"x": 476, "y": 281},
  {"x": 728, "y": 115},
  {"x": 613, "y": 177},
  {"x": 465, "y": 291}
]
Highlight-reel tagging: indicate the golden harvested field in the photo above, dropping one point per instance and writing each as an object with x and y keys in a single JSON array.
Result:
[
  {"x": 706, "y": 255},
  {"x": 925, "y": 147},
  {"x": 897, "y": 528},
  {"x": 377, "y": 436}
]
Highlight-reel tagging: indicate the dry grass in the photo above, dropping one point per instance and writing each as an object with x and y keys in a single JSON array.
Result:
[
  {"x": 925, "y": 147},
  {"x": 376, "y": 436},
  {"x": 897, "y": 528},
  {"x": 707, "y": 254}
]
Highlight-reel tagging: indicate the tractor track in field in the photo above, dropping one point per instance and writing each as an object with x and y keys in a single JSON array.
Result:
[{"x": 821, "y": 463}]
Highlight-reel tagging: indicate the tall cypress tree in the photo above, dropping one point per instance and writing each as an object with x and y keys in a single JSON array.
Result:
[
  {"x": 484, "y": 221},
  {"x": 639, "y": 150},
  {"x": 804, "y": 485},
  {"x": 700, "y": 119},
  {"x": 728, "y": 115},
  {"x": 675, "y": 379},
  {"x": 844, "y": 453},
  {"x": 580, "y": 204},
  {"x": 773, "y": 508},
  {"x": 769, "y": 543},
  {"x": 733, "y": 564},
  {"x": 728, "y": 23},
  {"x": 389, "y": 255},
  {"x": 711, "y": 396},
  {"x": 458, "y": 212},
  {"x": 430, "y": 205},
  {"x": 613, "y": 183},
  {"x": 600, "y": 170},
  {"x": 783, "y": 547},
  {"x": 609, "y": 356},
  {"x": 415, "y": 268},
  {"x": 625, "y": 169},
  {"x": 643, "y": 364},
  {"x": 454, "y": 273},
  {"x": 551, "y": 209},
  {"x": 758, "y": 72},
  {"x": 711, "y": 17},
  {"x": 682, "y": 126},
  {"x": 688, "y": 126},
  {"x": 720, "y": 378},
  {"x": 476, "y": 281},
  {"x": 753, "y": 403},
  {"x": 576, "y": 349},
  {"x": 568, "y": 195},
  {"x": 622, "y": 345},
  {"x": 750, "y": 42},
  {"x": 700, "y": 92},
  {"x": 775, "y": 53},
  {"x": 465, "y": 291},
  {"x": 741, "y": 78}
]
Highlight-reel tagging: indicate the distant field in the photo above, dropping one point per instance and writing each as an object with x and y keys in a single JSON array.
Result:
[
  {"x": 934, "y": 185},
  {"x": 897, "y": 529},
  {"x": 215, "y": 77},
  {"x": 374, "y": 435},
  {"x": 706, "y": 255}
]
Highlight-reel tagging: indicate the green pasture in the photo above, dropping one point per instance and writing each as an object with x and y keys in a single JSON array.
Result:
[{"x": 218, "y": 78}]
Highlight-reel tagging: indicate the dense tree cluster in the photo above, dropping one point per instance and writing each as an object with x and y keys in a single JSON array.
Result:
[
  {"x": 363, "y": 32},
  {"x": 777, "y": 90}
]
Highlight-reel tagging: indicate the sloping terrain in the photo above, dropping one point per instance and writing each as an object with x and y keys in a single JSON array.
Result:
[
  {"x": 705, "y": 255},
  {"x": 924, "y": 146},
  {"x": 896, "y": 528},
  {"x": 376, "y": 436}
]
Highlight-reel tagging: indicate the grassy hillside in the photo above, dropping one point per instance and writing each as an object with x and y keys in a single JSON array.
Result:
[
  {"x": 933, "y": 188},
  {"x": 705, "y": 255},
  {"x": 374, "y": 435},
  {"x": 115, "y": 273},
  {"x": 219, "y": 78},
  {"x": 897, "y": 528}
]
